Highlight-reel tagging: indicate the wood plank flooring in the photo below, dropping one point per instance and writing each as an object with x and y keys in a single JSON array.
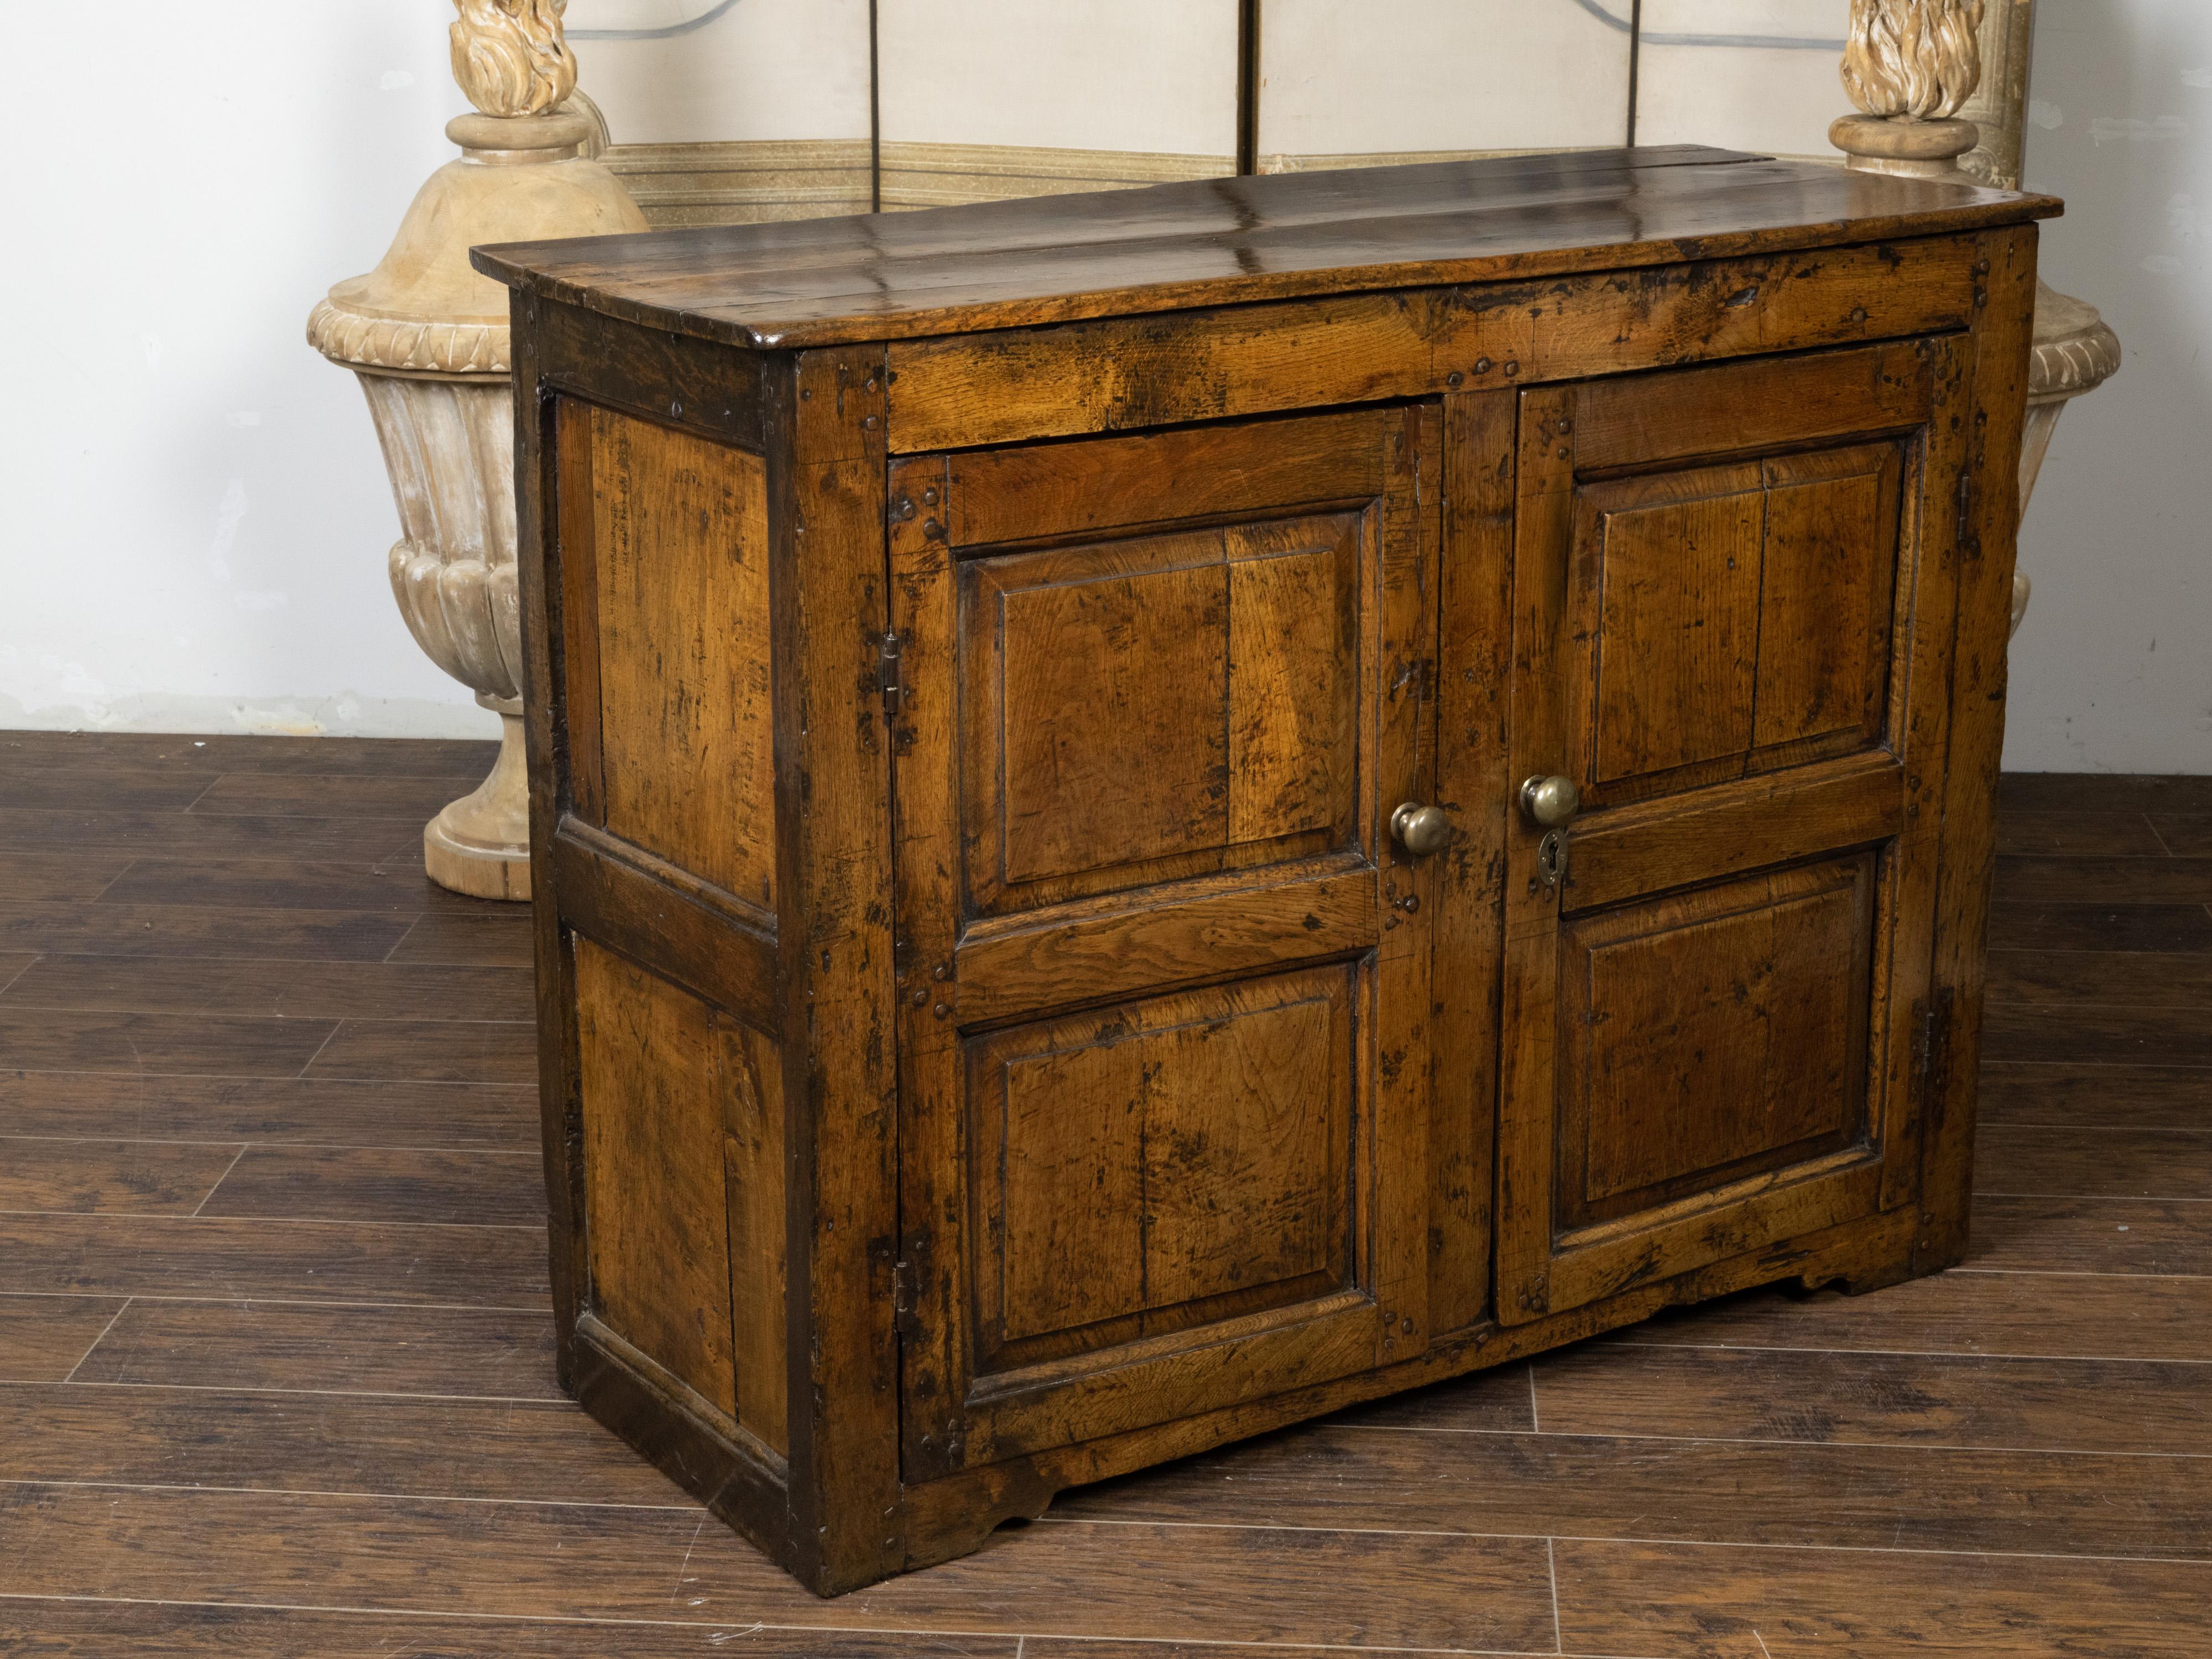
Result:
[{"x": 276, "y": 1369}]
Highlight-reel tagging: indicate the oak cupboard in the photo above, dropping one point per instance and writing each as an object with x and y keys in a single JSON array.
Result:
[{"x": 1157, "y": 812}]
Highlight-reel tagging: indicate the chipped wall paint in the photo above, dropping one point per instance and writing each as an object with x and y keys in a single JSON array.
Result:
[
  {"x": 2112, "y": 670},
  {"x": 197, "y": 515}
]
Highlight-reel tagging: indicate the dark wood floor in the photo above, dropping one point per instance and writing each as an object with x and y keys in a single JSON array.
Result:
[{"x": 274, "y": 1363}]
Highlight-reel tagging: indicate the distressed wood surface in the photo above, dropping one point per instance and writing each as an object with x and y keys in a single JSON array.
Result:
[
  {"x": 217, "y": 1412},
  {"x": 1040, "y": 828},
  {"x": 822, "y": 282}
]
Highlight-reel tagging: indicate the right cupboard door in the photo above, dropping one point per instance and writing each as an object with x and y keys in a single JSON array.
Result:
[{"x": 1733, "y": 594}]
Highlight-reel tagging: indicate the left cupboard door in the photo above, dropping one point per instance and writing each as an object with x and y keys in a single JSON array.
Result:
[{"x": 1163, "y": 966}]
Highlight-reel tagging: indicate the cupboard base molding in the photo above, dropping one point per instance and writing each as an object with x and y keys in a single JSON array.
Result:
[{"x": 1162, "y": 812}]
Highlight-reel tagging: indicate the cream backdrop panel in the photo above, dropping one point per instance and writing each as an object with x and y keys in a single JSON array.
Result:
[
  {"x": 1346, "y": 83},
  {"x": 994, "y": 98},
  {"x": 677, "y": 72},
  {"x": 1758, "y": 74}
]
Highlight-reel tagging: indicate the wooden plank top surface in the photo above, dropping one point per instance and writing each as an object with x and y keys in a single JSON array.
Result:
[{"x": 1056, "y": 259}]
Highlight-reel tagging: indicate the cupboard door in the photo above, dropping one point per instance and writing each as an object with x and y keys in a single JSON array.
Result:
[
  {"x": 1733, "y": 590},
  {"x": 1163, "y": 968}
]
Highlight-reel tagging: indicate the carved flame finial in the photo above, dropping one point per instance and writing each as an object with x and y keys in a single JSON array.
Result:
[
  {"x": 510, "y": 58},
  {"x": 1919, "y": 60}
]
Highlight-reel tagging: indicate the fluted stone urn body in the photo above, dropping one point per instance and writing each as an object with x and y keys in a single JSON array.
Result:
[
  {"x": 1910, "y": 65},
  {"x": 428, "y": 338}
]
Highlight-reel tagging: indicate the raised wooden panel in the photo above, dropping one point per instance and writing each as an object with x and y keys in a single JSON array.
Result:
[
  {"x": 656, "y": 1213},
  {"x": 1677, "y": 594},
  {"x": 1734, "y": 617},
  {"x": 1712, "y": 1035},
  {"x": 1826, "y": 606},
  {"x": 1144, "y": 1169},
  {"x": 1158, "y": 706},
  {"x": 751, "y": 1092},
  {"x": 677, "y": 607},
  {"x": 684, "y": 1187}
]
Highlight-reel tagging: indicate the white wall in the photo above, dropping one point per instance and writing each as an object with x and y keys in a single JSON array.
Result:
[
  {"x": 2113, "y": 670},
  {"x": 197, "y": 519}
]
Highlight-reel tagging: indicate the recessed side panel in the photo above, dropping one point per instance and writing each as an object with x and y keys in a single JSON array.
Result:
[
  {"x": 1712, "y": 1035},
  {"x": 1156, "y": 706},
  {"x": 682, "y": 1145},
  {"x": 679, "y": 545},
  {"x": 1149, "y": 1168}
]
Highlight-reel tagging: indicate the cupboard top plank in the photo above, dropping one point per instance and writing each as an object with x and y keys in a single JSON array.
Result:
[{"x": 1055, "y": 258}]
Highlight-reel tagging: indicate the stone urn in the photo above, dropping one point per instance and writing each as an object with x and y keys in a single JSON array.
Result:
[
  {"x": 429, "y": 339},
  {"x": 1910, "y": 65}
]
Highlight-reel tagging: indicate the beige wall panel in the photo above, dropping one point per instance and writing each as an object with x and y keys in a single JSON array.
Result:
[
  {"x": 1407, "y": 76},
  {"x": 704, "y": 71},
  {"x": 1757, "y": 75},
  {"x": 1153, "y": 75}
]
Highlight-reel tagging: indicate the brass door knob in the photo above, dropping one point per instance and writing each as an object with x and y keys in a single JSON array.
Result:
[
  {"x": 1421, "y": 830},
  {"x": 1549, "y": 801}
]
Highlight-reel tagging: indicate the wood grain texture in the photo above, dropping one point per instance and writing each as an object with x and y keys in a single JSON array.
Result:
[
  {"x": 485, "y": 938},
  {"x": 110, "y": 1177},
  {"x": 1088, "y": 751},
  {"x": 653, "y": 1080},
  {"x": 2089, "y": 834},
  {"x": 2107, "y": 1032},
  {"x": 203, "y": 932},
  {"x": 680, "y": 552},
  {"x": 123, "y": 1631},
  {"x": 307, "y": 1262},
  {"x": 152, "y": 1436},
  {"x": 2098, "y": 793},
  {"x": 301, "y": 883},
  {"x": 2118, "y": 1096},
  {"x": 290, "y": 990},
  {"x": 1761, "y": 979},
  {"x": 1749, "y": 1604},
  {"x": 503, "y": 1354},
  {"x": 49, "y": 1336},
  {"x": 2062, "y": 926},
  {"x": 100, "y": 1039},
  {"x": 2079, "y": 1363},
  {"x": 1183, "y": 1149},
  {"x": 1232, "y": 360},
  {"x": 144, "y": 1108},
  {"x": 2030, "y": 878},
  {"x": 1710, "y": 1394},
  {"x": 2027, "y": 1160},
  {"x": 63, "y": 876},
  {"x": 2090, "y": 1235},
  {"x": 1986, "y": 537},
  {"x": 1057, "y": 258},
  {"x": 1159, "y": 707},
  {"x": 359, "y": 1183},
  {"x": 1964, "y": 1313},
  {"x": 1886, "y": 1497},
  {"x": 2133, "y": 979},
  {"x": 123, "y": 754},
  {"x": 291, "y": 795},
  {"x": 428, "y": 1051}
]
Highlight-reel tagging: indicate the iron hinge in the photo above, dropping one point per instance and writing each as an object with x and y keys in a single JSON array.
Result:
[
  {"x": 906, "y": 1284},
  {"x": 890, "y": 652},
  {"x": 1933, "y": 1038}
]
